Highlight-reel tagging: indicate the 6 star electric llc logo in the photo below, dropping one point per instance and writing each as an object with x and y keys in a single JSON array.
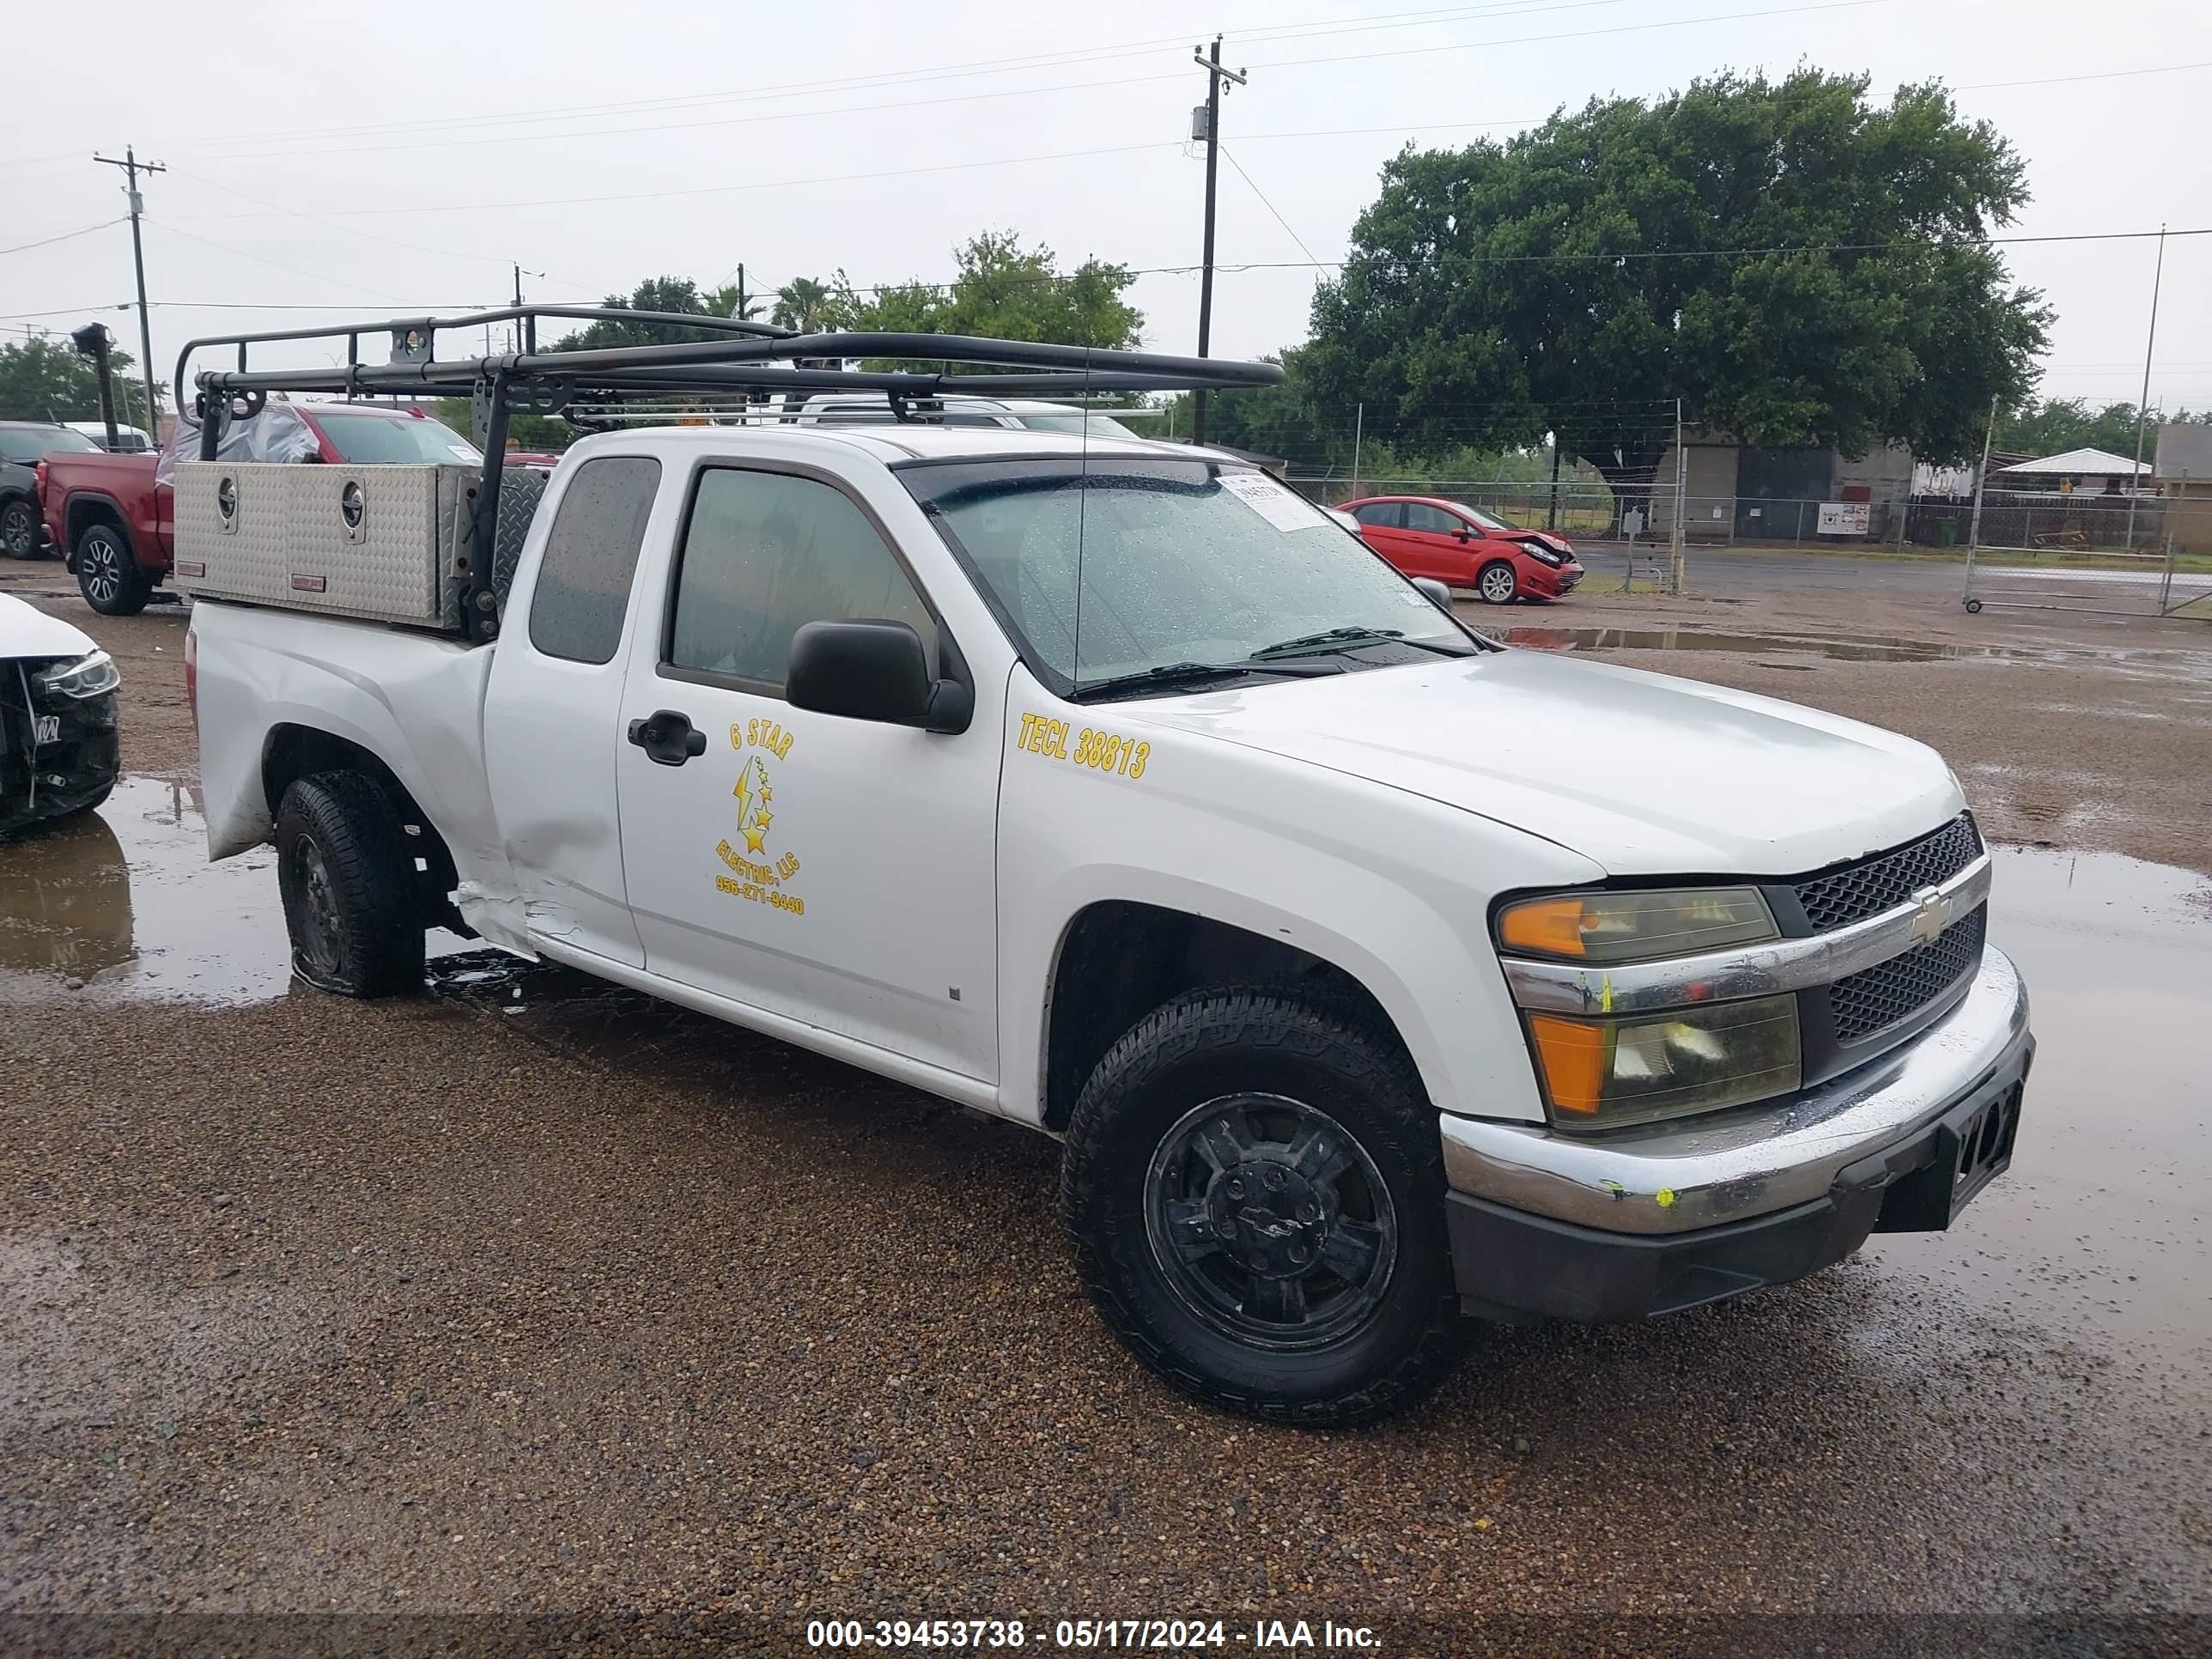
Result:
[{"x": 757, "y": 741}]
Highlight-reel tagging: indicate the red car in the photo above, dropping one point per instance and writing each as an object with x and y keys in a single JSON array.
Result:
[{"x": 1466, "y": 547}]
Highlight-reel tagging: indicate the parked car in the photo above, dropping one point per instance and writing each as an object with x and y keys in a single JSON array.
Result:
[
  {"x": 129, "y": 440},
  {"x": 1463, "y": 546},
  {"x": 58, "y": 751},
  {"x": 1370, "y": 972},
  {"x": 114, "y": 512},
  {"x": 1020, "y": 414},
  {"x": 23, "y": 445}
]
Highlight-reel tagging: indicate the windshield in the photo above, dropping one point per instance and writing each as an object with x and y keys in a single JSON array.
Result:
[
  {"x": 36, "y": 443},
  {"x": 1487, "y": 520},
  {"x": 1181, "y": 562},
  {"x": 376, "y": 440},
  {"x": 1075, "y": 423}
]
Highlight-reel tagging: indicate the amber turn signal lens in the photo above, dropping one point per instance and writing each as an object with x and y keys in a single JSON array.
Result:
[
  {"x": 1573, "y": 1054},
  {"x": 1544, "y": 927}
]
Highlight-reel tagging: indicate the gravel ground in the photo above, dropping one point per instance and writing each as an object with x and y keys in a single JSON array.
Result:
[{"x": 598, "y": 1309}]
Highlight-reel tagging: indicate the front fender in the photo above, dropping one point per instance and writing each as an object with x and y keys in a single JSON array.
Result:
[{"x": 1392, "y": 888}]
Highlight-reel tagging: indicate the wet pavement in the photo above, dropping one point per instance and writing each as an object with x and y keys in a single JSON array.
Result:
[{"x": 1838, "y": 648}]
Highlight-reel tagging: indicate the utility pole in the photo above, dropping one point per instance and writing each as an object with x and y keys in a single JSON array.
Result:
[
  {"x": 132, "y": 166},
  {"x": 2143, "y": 408},
  {"x": 1215, "y": 75},
  {"x": 1552, "y": 521},
  {"x": 741, "y": 291},
  {"x": 1981, "y": 479},
  {"x": 1358, "y": 432},
  {"x": 1677, "y": 575}
]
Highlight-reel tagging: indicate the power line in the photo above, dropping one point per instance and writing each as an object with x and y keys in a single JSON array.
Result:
[
  {"x": 1435, "y": 17},
  {"x": 261, "y": 259},
  {"x": 67, "y": 235},
  {"x": 1079, "y": 86},
  {"x": 1229, "y": 157}
]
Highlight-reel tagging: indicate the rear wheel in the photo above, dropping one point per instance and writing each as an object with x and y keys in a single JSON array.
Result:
[
  {"x": 1255, "y": 1188},
  {"x": 352, "y": 896},
  {"x": 19, "y": 529},
  {"x": 1497, "y": 583},
  {"x": 107, "y": 572}
]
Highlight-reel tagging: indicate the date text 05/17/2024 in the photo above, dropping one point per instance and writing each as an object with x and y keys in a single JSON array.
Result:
[{"x": 1154, "y": 1635}]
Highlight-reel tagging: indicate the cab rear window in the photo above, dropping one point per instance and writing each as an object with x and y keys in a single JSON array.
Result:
[{"x": 591, "y": 555}]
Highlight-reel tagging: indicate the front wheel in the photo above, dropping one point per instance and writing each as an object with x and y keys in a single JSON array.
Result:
[
  {"x": 352, "y": 901},
  {"x": 19, "y": 529},
  {"x": 1498, "y": 584},
  {"x": 1254, "y": 1186},
  {"x": 107, "y": 573}
]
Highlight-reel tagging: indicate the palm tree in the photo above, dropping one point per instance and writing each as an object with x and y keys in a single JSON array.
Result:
[{"x": 803, "y": 304}]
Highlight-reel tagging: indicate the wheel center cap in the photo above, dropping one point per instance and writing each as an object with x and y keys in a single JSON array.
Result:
[{"x": 1269, "y": 1217}]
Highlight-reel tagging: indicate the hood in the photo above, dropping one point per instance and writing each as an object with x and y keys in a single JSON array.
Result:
[
  {"x": 1644, "y": 773},
  {"x": 27, "y": 631}
]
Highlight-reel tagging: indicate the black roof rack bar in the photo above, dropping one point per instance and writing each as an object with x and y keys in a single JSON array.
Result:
[
  {"x": 430, "y": 327},
  {"x": 749, "y": 343}
]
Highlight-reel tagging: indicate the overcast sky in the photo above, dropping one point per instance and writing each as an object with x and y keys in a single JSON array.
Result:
[{"x": 397, "y": 157}]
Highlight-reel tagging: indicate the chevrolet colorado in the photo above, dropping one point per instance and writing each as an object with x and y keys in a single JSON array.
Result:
[{"x": 1372, "y": 974}]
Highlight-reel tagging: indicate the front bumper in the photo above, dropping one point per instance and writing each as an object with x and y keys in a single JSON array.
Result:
[
  {"x": 51, "y": 774},
  {"x": 1668, "y": 1216}
]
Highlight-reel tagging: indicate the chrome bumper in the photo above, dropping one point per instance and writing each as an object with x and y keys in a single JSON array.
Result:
[{"x": 1677, "y": 1178}]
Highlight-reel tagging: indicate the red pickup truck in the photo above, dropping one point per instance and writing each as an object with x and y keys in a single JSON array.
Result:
[{"x": 111, "y": 512}]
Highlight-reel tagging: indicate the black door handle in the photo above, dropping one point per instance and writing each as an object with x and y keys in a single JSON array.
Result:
[{"x": 667, "y": 737}]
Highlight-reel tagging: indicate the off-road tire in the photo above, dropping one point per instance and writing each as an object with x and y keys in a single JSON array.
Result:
[
  {"x": 19, "y": 528},
  {"x": 1324, "y": 1052},
  {"x": 1483, "y": 585},
  {"x": 107, "y": 572},
  {"x": 353, "y": 907}
]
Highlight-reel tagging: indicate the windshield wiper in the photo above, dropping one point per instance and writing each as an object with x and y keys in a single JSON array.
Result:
[
  {"x": 1171, "y": 674},
  {"x": 1348, "y": 639}
]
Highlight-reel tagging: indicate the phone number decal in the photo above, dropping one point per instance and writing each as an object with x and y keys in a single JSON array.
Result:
[{"x": 1102, "y": 752}]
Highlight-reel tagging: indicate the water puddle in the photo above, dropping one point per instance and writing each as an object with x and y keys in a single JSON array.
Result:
[
  {"x": 1837, "y": 647},
  {"x": 122, "y": 905},
  {"x": 124, "y": 901},
  {"x": 2099, "y": 1228}
]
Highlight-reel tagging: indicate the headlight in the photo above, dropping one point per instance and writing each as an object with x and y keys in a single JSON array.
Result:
[
  {"x": 1606, "y": 928},
  {"x": 1601, "y": 1073},
  {"x": 87, "y": 676},
  {"x": 1544, "y": 552}
]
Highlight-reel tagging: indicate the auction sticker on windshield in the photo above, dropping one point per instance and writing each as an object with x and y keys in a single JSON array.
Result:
[{"x": 1277, "y": 505}]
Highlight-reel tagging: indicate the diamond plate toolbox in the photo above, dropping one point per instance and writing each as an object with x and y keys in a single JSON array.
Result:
[{"x": 374, "y": 542}]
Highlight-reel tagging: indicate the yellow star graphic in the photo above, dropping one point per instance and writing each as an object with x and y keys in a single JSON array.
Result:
[
  {"x": 767, "y": 794},
  {"x": 755, "y": 840},
  {"x": 763, "y": 817}
]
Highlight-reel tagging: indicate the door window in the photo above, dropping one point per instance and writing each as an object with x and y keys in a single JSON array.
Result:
[
  {"x": 1419, "y": 515},
  {"x": 591, "y": 555},
  {"x": 1383, "y": 515},
  {"x": 763, "y": 555}
]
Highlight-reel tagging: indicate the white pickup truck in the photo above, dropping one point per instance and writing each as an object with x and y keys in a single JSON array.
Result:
[{"x": 1372, "y": 974}]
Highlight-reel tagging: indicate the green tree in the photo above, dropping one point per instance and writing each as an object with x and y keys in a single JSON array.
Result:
[
  {"x": 2056, "y": 425},
  {"x": 44, "y": 379},
  {"x": 1007, "y": 291},
  {"x": 811, "y": 306},
  {"x": 1502, "y": 291},
  {"x": 658, "y": 293}
]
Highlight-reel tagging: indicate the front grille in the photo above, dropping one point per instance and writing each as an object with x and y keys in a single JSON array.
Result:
[
  {"x": 1887, "y": 879},
  {"x": 1879, "y": 997}
]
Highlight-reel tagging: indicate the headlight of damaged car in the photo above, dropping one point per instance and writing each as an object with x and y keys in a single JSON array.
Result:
[
  {"x": 87, "y": 676},
  {"x": 1599, "y": 1074}
]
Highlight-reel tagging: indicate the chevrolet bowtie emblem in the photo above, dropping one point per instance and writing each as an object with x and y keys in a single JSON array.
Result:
[{"x": 1933, "y": 916}]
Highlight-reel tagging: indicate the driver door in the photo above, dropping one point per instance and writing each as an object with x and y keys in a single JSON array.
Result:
[{"x": 835, "y": 872}]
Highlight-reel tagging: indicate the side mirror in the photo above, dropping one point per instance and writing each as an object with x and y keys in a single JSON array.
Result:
[
  {"x": 1464, "y": 533},
  {"x": 873, "y": 671},
  {"x": 1438, "y": 594}
]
